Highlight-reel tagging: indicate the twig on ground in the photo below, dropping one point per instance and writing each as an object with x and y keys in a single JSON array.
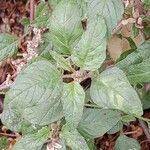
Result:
[
  {"x": 79, "y": 76},
  {"x": 32, "y": 10},
  {"x": 132, "y": 132},
  {"x": 145, "y": 128},
  {"x": 8, "y": 135}
]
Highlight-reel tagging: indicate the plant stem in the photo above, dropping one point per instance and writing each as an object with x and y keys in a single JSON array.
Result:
[
  {"x": 32, "y": 11},
  {"x": 3, "y": 86},
  {"x": 128, "y": 133},
  {"x": 142, "y": 118},
  {"x": 9, "y": 135},
  {"x": 145, "y": 128}
]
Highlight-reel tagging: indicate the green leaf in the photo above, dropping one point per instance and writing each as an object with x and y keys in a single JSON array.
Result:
[
  {"x": 145, "y": 99},
  {"x": 33, "y": 141},
  {"x": 90, "y": 52},
  {"x": 83, "y": 8},
  {"x": 137, "y": 65},
  {"x": 53, "y": 3},
  {"x": 11, "y": 118},
  {"x": 73, "y": 103},
  {"x": 91, "y": 144},
  {"x": 126, "y": 143},
  {"x": 139, "y": 73},
  {"x": 45, "y": 48},
  {"x": 116, "y": 128},
  {"x": 65, "y": 26},
  {"x": 142, "y": 53},
  {"x": 42, "y": 15},
  {"x": 73, "y": 139},
  {"x": 111, "y": 89},
  {"x": 35, "y": 95},
  {"x": 128, "y": 118},
  {"x": 3, "y": 143},
  {"x": 96, "y": 122},
  {"x": 61, "y": 61},
  {"x": 8, "y": 46},
  {"x": 26, "y": 23},
  {"x": 147, "y": 3},
  {"x": 111, "y": 10}
]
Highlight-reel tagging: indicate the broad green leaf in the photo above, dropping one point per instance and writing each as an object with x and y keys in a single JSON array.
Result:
[
  {"x": 61, "y": 61},
  {"x": 116, "y": 128},
  {"x": 111, "y": 10},
  {"x": 73, "y": 139},
  {"x": 36, "y": 94},
  {"x": 53, "y": 3},
  {"x": 142, "y": 53},
  {"x": 33, "y": 141},
  {"x": 8, "y": 46},
  {"x": 90, "y": 52},
  {"x": 111, "y": 89},
  {"x": 73, "y": 103},
  {"x": 96, "y": 122},
  {"x": 12, "y": 118},
  {"x": 83, "y": 8},
  {"x": 139, "y": 73},
  {"x": 65, "y": 26},
  {"x": 91, "y": 144},
  {"x": 128, "y": 118},
  {"x": 42, "y": 15},
  {"x": 126, "y": 143}
]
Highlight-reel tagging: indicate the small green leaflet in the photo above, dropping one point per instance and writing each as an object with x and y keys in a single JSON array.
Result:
[
  {"x": 42, "y": 15},
  {"x": 96, "y": 122},
  {"x": 111, "y": 89},
  {"x": 90, "y": 52},
  {"x": 111, "y": 10},
  {"x": 8, "y": 46},
  {"x": 73, "y": 139},
  {"x": 35, "y": 95},
  {"x": 73, "y": 103},
  {"x": 61, "y": 61},
  {"x": 33, "y": 141},
  {"x": 136, "y": 57},
  {"x": 126, "y": 143},
  {"x": 65, "y": 26}
]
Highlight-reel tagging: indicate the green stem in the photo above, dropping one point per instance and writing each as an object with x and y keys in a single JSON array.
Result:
[{"x": 142, "y": 118}]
